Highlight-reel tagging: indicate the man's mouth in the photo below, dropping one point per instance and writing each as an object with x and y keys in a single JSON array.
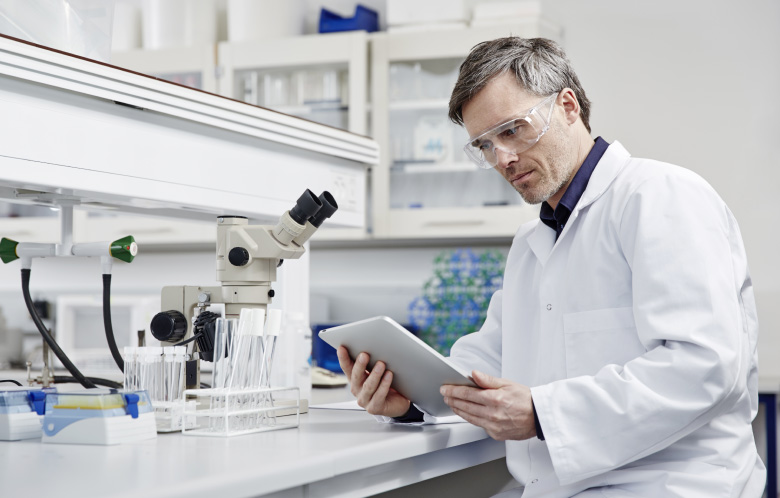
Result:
[{"x": 520, "y": 177}]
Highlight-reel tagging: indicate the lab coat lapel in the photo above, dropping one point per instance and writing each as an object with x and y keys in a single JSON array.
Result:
[
  {"x": 542, "y": 241},
  {"x": 613, "y": 160}
]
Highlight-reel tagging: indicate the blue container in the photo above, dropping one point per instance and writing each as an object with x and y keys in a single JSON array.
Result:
[
  {"x": 365, "y": 19},
  {"x": 324, "y": 355}
]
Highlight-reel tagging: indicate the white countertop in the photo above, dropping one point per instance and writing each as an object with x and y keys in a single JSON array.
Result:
[{"x": 332, "y": 453}]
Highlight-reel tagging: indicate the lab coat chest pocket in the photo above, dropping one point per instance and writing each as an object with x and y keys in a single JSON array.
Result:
[{"x": 599, "y": 337}]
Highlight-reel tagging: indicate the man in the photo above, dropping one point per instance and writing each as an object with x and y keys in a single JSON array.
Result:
[{"x": 619, "y": 359}]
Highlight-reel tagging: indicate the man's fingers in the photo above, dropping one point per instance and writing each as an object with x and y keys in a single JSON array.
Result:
[
  {"x": 473, "y": 409},
  {"x": 472, "y": 394},
  {"x": 380, "y": 395},
  {"x": 468, "y": 417},
  {"x": 370, "y": 384},
  {"x": 345, "y": 361},
  {"x": 488, "y": 381},
  {"x": 359, "y": 369}
]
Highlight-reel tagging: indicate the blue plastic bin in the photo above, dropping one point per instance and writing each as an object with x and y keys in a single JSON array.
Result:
[{"x": 365, "y": 19}]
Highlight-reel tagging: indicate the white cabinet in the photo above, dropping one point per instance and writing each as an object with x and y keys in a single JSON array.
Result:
[
  {"x": 192, "y": 66},
  {"x": 424, "y": 186},
  {"x": 170, "y": 151},
  {"x": 322, "y": 78}
]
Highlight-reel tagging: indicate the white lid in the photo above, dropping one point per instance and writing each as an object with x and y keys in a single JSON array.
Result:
[
  {"x": 258, "y": 322},
  {"x": 245, "y": 321},
  {"x": 274, "y": 323}
]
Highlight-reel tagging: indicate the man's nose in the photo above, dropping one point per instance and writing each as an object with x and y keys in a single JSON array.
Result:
[{"x": 504, "y": 158}]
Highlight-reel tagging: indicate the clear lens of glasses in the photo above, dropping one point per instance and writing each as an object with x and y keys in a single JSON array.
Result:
[{"x": 512, "y": 137}]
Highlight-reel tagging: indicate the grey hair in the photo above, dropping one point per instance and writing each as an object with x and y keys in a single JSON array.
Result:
[{"x": 540, "y": 65}]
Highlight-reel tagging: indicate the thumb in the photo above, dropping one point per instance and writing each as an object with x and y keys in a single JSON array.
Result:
[{"x": 486, "y": 381}]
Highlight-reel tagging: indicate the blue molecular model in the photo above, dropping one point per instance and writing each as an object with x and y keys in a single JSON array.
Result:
[{"x": 455, "y": 299}]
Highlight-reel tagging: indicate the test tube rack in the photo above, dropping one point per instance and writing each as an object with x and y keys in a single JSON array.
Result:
[{"x": 226, "y": 412}]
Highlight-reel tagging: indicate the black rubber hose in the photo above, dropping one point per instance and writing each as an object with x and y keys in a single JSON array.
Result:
[
  {"x": 100, "y": 382},
  {"x": 107, "y": 322},
  {"x": 78, "y": 376},
  {"x": 11, "y": 381},
  {"x": 187, "y": 341}
]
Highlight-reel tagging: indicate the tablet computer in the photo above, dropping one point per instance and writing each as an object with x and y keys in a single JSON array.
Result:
[{"x": 418, "y": 370}]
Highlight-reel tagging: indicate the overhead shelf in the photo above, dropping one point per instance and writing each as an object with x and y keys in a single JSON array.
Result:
[{"x": 165, "y": 149}]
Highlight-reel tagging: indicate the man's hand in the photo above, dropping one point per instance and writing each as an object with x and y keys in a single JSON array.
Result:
[
  {"x": 372, "y": 390},
  {"x": 502, "y": 407}
]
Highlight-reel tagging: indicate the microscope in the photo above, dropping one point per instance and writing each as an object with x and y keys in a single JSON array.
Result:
[{"x": 247, "y": 259}]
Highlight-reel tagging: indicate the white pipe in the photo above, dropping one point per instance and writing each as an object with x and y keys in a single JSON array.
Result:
[
  {"x": 66, "y": 231},
  {"x": 35, "y": 250},
  {"x": 91, "y": 249}
]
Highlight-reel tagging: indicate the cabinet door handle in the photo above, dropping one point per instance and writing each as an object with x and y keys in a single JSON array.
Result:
[{"x": 453, "y": 223}]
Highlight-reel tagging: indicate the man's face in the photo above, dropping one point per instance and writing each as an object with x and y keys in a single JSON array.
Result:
[{"x": 541, "y": 172}]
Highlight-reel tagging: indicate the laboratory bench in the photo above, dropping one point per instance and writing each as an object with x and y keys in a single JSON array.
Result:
[{"x": 344, "y": 453}]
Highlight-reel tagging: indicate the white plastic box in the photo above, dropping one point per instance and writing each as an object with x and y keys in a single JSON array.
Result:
[
  {"x": 178, "y": 23},
  {"x": 264, "y": 19},
  {"x": 407, "y": 12},
  {"x": 81, "y": 27}
]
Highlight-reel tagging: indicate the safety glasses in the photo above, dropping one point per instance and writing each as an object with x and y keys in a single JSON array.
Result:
[{"x": 512, "y": 137}]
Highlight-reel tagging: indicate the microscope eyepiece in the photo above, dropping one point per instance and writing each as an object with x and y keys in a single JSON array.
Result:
[
  {"x": 306, "y": 207},
  {"x": 329, "y": 207}
]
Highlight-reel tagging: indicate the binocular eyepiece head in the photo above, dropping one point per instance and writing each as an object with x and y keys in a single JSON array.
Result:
[
  {"x": 305, "y": 207},
  {"x": 313, "y": 209},
  {"x": 329, "y": 207}
]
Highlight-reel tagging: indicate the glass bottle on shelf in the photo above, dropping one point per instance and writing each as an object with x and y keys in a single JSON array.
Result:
[
  {"x": 319, "y": 93},
  {"x": 429, "y": 168}
]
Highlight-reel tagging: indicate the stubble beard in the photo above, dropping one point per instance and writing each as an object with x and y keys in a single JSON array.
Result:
[
  {"x": 552, "y": 180},
  {"x": 561, "y": 158},
  {"x": 546, "y": 188}
]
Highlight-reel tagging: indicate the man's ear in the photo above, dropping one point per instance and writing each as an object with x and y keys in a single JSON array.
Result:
[{"x": 571, "y": 106}]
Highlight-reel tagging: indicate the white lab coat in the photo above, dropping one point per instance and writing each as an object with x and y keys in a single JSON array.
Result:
[{"x": 637, "y": 332}]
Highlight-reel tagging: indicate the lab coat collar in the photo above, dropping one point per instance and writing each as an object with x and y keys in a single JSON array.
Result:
[
  {"x": 613, "y": 160},
  {"x": 542, "y": 239}
]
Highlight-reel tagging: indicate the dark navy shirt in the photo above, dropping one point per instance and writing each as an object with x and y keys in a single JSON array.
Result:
[{"x": 557, "y": 219}]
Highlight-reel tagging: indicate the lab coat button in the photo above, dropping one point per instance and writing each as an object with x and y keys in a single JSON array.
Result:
[
  {"x": 549, "y": 307},
  {"x": 534, "y": 481}
]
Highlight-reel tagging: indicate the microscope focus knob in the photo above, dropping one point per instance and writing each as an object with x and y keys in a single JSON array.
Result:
[
  {"x": 238, "y": 256},
  {"x": 169, "y": 326}
]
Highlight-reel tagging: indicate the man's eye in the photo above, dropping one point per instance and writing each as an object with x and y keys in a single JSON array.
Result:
[
  {"x": 484, "y": 146},
  {"x": 515, "y": 128}
]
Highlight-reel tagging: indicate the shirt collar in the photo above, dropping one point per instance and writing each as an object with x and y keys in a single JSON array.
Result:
[{"x": 557, "y": 218}]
